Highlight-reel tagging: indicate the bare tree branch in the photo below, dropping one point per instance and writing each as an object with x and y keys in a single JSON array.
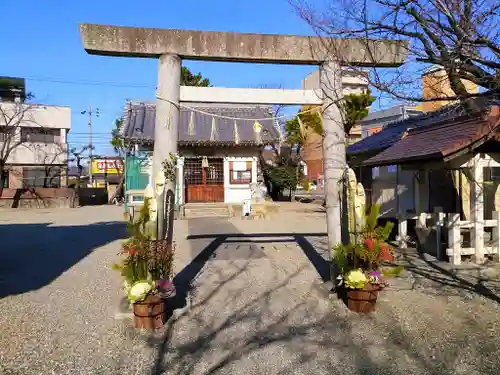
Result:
[{"x": 462, "y": 37}]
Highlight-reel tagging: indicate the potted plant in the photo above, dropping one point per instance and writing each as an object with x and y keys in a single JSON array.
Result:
[
  {"x": 365, "y": 263},
  {"x": 146, "y": 268}
]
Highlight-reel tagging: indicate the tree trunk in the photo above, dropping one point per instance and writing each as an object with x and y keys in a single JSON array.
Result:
[
  {"x": 299, "y": 159},
  {"x": 2, "y": 182},
  {"x": 119, "y": 190}
]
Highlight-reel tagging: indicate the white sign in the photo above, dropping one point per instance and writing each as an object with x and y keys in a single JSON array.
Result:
[
  {"x": 239, "y": 166},
  {"x": 246, "y": 207}
]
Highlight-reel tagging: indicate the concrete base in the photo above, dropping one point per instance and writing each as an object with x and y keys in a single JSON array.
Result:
[
  {"x": 259, "y": 210},
  {"x": 196, "y": 210}
]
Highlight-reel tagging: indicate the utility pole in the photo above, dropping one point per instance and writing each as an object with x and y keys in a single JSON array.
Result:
[
  {"x": 90, "y": 145},
  {"x": 90, "y": 113}
]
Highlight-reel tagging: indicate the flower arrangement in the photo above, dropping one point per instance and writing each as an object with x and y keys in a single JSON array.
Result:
[
  {"x": 147, "y": 264},
  {"x": 368, "y": 259},
  {"x": 170, "y": 167}
]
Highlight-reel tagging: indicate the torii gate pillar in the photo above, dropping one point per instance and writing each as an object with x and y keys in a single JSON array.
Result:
[
  {"x": 334, "y": 157},
  {"x": 166, "y": 135}
]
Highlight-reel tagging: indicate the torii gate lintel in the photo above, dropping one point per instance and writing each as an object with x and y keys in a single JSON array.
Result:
[{"x": 238, "y": 47}]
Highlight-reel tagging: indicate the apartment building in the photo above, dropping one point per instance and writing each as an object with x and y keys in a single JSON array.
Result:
[
  {"x": 353, "y": 82},
  {"x": 33, "y": 139}
]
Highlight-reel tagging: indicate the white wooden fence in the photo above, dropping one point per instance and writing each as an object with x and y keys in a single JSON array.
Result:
[
  {"x": 455, "y": 226},
  {"x": 476, "y": 228}
]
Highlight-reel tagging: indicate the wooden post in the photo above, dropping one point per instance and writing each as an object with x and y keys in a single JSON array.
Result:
[
  {"x": 477, "y": 205},
  {"x": 439, "y": 219},
  {"x": 422, "y": 220},
  {"x": 398, "y": 208},
  {"x": 454, "y": 240},
  {"x": 496, "y": 236},
  {"x": 180, "y": 182},
  {"x": 166, "y": 133},
  {"x": 416, "y": 191},
  {"x": 402, "y": 230}
]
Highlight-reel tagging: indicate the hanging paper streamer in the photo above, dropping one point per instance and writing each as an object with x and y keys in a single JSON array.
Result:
[
  {"x": 204, "y": 162},
  {"x": 191, "y": 128},
  {"x": 257, "y": 129},
  {"x": 236, "y": 133},
  {"x": 213, "y": 134},
  {"x": 302, "y": 127}
]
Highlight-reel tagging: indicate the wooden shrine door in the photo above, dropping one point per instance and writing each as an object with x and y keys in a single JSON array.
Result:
[{"x": 204, "y": 184}]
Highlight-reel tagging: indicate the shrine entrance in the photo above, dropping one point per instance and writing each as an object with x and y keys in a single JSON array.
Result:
[
  {"x": 171, "y": 46},
  {"x": 204, "y": 180}
]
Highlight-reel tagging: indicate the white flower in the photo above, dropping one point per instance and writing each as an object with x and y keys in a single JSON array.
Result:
[{"x": 139, "y": 291}]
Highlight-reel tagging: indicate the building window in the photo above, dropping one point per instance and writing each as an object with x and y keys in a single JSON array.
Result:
[
  {"x": 47, "y": 177},
  {"x": 240, "y": 172},
  {"x": 193, "y": 172},
  {"x": 5, "y": 179},
  {"x": 495, "y": 173},
  {"x": 43, "y": 135},
  {"x": 491, "y": 174},
  {"x": 6, "y": 133},
  {"x": 215, "y": 172},
  {"x": 240, "y": 177},
  {"x": 197, "y": 174},
  {"x": 392, "y": 168}
]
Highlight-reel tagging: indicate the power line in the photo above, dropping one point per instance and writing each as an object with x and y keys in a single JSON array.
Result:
[
  {"x": 102, "y": 136},
  {"x": 89, "y": 82},
  {"x": 99, "y": 137}
]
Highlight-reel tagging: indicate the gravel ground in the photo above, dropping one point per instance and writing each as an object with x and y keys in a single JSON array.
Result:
[{"x": 256, "y": 307}]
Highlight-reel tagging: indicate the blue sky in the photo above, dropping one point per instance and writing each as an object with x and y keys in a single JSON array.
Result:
[{"x": 40, "y": 41}]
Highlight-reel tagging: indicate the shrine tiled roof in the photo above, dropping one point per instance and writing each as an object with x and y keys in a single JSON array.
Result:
[
  {"x": 441, "y": 140},
  {"x": 139, "y": 123},
  {"x": 394, "y": 132}
]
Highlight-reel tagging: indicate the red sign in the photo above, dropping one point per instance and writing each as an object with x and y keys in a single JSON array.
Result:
[{"x": 111, "y": 166}]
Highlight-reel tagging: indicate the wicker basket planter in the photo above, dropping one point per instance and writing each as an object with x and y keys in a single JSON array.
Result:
[
  {"x": 150, "y": 313},
  {"x": 362, "y": 300}
]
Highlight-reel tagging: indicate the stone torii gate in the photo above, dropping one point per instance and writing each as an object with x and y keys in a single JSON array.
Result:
[{"x": 170, "y": 46}]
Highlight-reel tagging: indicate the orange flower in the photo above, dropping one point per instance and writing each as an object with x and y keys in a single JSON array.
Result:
[
  {"x": 369, "y": 243},
  {"x": 385, "y": 254}
]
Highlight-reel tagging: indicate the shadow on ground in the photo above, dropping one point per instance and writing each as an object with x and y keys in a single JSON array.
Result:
[
  {"x": 446, "y": 280},
  {"x": 33, "y": 255},
  {"x": 246, "y": 334},
  {"x": 246, "y": 247}
]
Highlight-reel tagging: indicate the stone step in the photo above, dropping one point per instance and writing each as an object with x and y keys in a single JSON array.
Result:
[
  {"x": 205, "y": 213},
  {"x": 192, "y": 211}
]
